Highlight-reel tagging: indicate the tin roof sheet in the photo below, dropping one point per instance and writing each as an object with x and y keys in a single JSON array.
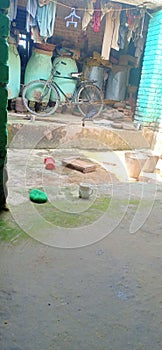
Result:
[{"x": 151, "y": 4}]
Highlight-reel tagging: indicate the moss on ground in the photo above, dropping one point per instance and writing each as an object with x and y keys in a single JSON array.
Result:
[
  {"x": 9, "y": 230},
  {"x": 66, "y": 219}
]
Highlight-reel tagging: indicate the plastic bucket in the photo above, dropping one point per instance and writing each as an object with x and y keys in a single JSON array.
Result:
[
  {"x": 150, "y": 163},
  {"x": 134, "y": 163}
]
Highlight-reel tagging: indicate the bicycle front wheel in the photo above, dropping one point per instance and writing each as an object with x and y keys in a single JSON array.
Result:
[
  {"x": 40, "y": 98},
  {"x": 89, "y": 101}
]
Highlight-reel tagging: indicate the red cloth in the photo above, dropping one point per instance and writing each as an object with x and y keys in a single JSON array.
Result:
[
  {"x": 97, "y": 17},
  {"x": 130, "y": 18}
]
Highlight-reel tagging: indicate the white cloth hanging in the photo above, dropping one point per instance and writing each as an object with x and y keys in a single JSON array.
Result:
[
  {"x": 111, "y": 34},
  {"x": 88, "y": 14}
]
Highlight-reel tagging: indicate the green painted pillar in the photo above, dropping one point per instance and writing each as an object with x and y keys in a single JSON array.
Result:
[{"x": 4, "y": 33}]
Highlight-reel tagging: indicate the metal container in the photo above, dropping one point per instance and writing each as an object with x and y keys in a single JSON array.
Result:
[
  {"x": 95, "y": 73},
  {"x": 116, "y": 85},
  {"x": 39, "y": 66},
  {"x": 14, "y": 72},
  {"x": 65, "y": 66}
]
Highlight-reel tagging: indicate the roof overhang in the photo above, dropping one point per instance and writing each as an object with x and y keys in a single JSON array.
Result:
[{"x": 151, "y": 4}]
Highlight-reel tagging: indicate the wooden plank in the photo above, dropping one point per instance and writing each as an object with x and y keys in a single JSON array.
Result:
[
  {"x": 79, "y": 164},
  {"x": 109, "y": 102}
]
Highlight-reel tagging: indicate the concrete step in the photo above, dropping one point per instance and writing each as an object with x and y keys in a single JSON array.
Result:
[{"x": 66, "y": 131}]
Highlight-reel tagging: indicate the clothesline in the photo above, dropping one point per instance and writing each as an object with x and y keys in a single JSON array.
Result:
[
  {"x": 110, "y": 9},
  {"x": 84, "y": 9}
]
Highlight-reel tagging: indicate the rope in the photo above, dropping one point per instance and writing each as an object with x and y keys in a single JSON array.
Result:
[{"x": 84, "y": 9}]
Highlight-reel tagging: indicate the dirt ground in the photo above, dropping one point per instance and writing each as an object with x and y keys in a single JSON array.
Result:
[{"x": 103, "y": 296}]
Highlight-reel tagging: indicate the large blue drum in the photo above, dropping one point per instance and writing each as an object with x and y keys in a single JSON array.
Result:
[
  {"x": 65, "y": 69},
  {"x": 14, "y": 71},
  {"x": 38, "y": 67}
]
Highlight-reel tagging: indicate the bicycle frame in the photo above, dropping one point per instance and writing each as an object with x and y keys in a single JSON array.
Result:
[
  {"x": 85, "y": 95},
  {"x": 58, "y": 88}
]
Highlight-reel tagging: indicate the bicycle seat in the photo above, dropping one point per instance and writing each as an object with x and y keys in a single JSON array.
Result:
[
  {"x": 76, "y": 74},
  {"x": 93, "y": 81}
]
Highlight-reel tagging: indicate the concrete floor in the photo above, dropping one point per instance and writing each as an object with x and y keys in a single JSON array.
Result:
[
  {"x": 95, "y": 285},
  {"x": 104, "y": 295}
]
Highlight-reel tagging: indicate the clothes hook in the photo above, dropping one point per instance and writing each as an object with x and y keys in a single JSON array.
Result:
[{"x": 71, "y": 16}]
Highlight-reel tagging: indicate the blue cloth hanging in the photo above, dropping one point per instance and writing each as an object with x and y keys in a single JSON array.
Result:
[
  {"x": 46, "y": 19},
  {"x": 31, "y": 9},
  {"x": 12, "y": 10}
]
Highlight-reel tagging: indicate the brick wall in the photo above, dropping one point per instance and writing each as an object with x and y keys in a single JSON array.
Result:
[{"x": 75, "y": 36}]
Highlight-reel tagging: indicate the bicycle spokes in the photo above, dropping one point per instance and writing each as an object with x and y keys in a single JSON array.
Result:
[
  {"x": 90, "y": 101},
  {"x": 41, "y": 98}
]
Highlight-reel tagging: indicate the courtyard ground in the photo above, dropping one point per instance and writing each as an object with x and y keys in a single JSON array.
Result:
[{"x": 80, "y": 274}]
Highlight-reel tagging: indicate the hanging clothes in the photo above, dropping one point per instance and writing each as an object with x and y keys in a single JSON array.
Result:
[
  {"x": 123, "y": 29},
  {"x": 35, "y": 35},
  {"x": 133, "y": 19},
  {"x": 88, "y": 14},
  {"x": 46, "y": 19},
  {"x": 12, "y": 10},
  {"x": 140, "y": 36},
  {"x": 96, "y": 17},
  {"x": 105, "y": 7},
  {"x": 111, "y": 34},
  {"x": 31, "y": 9},
  {"x": 43, "y": 2}
]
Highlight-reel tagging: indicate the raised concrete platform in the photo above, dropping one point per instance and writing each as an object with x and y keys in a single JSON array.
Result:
[{"x": 66, "y": 131}]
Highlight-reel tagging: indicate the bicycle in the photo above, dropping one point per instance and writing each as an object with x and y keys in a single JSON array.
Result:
[{"x": 42, "y": 97}]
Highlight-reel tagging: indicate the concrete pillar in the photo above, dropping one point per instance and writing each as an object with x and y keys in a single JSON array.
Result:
[{"x": 4, "y": 33}]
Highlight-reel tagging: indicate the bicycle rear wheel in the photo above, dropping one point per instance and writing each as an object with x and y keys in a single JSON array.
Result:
[
  {"x": 89, "y": 101},
  {"x": 40, "y": 98}
]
